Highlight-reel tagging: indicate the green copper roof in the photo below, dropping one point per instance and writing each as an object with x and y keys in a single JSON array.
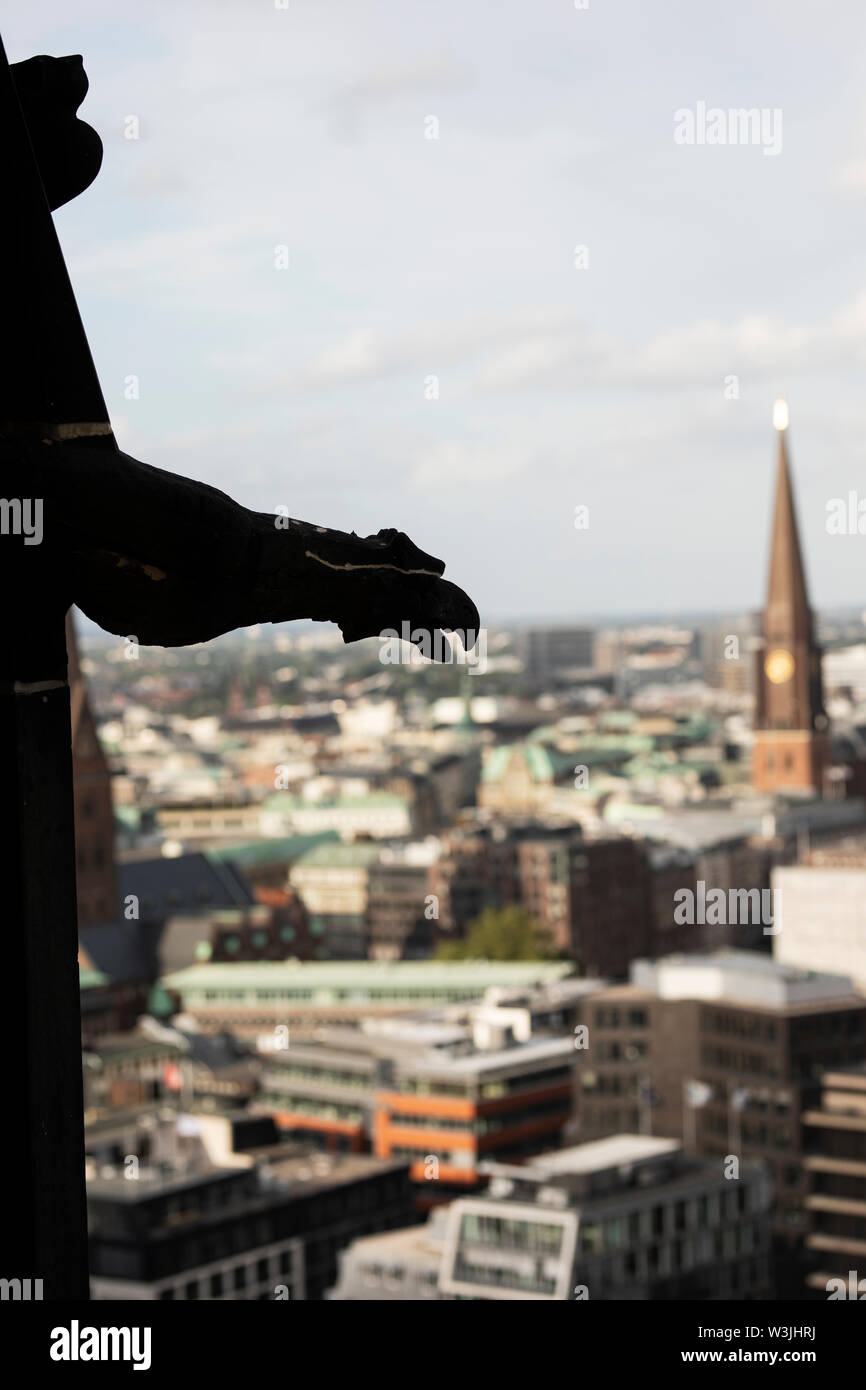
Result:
[
  {"x": 548, "y": 764},
  {"x": 283, "y": 801},
  {"x": 336, "y": 855},
  {"x": 255, "y": 853},
  {"x": 360, "y": 979}
]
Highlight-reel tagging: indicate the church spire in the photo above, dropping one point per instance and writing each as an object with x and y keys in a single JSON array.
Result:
[
  {"x": 791, "y": 746},
  {"x": 787, "y": 612}
]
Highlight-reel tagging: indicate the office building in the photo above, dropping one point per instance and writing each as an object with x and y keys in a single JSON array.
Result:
[{"x": 835, "y": 1162}]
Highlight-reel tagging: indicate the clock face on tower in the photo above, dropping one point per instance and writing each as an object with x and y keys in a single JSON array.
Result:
[{"x": 779, "y": 666}]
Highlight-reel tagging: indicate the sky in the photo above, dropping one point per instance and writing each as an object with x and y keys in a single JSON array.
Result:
[{"x": 436, "y": 355}]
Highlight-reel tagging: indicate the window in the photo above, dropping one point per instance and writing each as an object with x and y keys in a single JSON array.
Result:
[
  {"x": 614, "y": 1233},
  {"x": 591, "y": 1240}
]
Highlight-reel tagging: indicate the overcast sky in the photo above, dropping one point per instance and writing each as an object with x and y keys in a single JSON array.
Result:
[{"x": 412, "y": 258}]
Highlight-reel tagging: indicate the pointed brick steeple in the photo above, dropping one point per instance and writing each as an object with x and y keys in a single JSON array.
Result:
[
  {"x": 787, "y": 611},
  {"x": 94, "y": 813},
  {"x": 791, "y": 746}
]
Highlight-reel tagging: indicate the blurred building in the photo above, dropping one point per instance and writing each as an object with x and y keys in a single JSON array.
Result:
[
  {"x": 836, "y": 1166},
  {"x": 824, "y": 912},
  {"x": 93, "y": 807},
  {"x": 130, "y": 1069},
  {"x": 349, "y": 810},
  {"x": 590, "y": 893},
  {"x": 269, "y": 1229},
  {"x": 726, "y": 652},
  {"x": 519, "y": 778},
  {"x": 440, "y": 1096},
  {"x": 548, "y": 652},
  {"x": 446, "y": 1113},
  {"x": 254, "y": 998},
  {"x": 396, "y": 1266},
  {"x": 624, "y": 1218},
  {"x": 333, "y": 881},
  {"x": 725, "y": 1051},
  {"x": 402, "y": 911},
  {"x": 476, "y": 868},
  {"x": 262, "y": 932}
]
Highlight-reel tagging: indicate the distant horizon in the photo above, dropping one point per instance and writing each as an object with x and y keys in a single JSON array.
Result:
[{"x": 695, "y": 618}]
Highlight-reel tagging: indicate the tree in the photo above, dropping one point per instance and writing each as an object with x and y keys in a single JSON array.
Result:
[{"x": 506, "y": 933}]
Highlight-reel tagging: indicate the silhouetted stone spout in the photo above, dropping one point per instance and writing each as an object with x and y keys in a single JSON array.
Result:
[{"x": 172, "y": 561}]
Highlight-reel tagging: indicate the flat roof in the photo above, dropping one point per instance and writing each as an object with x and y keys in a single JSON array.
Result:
[
  {"x": 599, "y": 1154},
  {"x": 336, "y": 855},
  {"x": 748, "y": 979},
  {"x": 154, "y": 1182},
  {"x": 501, "y": 1060},
  {"x": 362, "y": 975},
  {"x": 410, "y": 1244}
]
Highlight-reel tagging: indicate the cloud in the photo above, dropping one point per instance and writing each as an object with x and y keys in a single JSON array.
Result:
[
  {"x": 555, "y": 350},
  {"x": 468, "y": 462},
  {"x": 412, "y": 81}
]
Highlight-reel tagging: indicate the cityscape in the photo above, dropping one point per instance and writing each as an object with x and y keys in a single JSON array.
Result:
[
  {"x": 540, "y": 981},
  {"x": 433, "y": 677}
]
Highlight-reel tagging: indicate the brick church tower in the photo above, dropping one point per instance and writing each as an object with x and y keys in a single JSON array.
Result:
[
  {"x": 792, "y": 747},
  {"x": 94, "y": 813}
]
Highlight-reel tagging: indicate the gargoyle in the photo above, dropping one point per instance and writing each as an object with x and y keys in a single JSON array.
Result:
[
  {"x": 171, "y": 561},
  {"x": 146, "y": 553}
]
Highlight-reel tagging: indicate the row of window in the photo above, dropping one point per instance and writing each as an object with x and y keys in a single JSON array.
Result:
[
  {"x": 621, "y": 1018},
  {"x": 502, "y": 1277},
  {"x": 239, "y": 1279},
  {"x": 485, "y": 1124},
  {"x": 653, "y": 1223},
  {"x": 512, "y": 1233},
  {"x": 328, "y": 1076}
]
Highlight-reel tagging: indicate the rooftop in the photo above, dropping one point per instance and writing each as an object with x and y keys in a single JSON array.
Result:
[
  {"x": 518, "y": 1055},
  {"x": 696, "y": 828},
  {"x": 338, "y": 856},
  {"x": 357, "y": 977},
  {"x": 256, "y": 853},
  {"x": 740, "y": 977},
  {"x": 600, "y": 1154}
]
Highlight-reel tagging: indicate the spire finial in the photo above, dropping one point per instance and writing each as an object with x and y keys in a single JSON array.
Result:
[{"x": 780, "y": 416}]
